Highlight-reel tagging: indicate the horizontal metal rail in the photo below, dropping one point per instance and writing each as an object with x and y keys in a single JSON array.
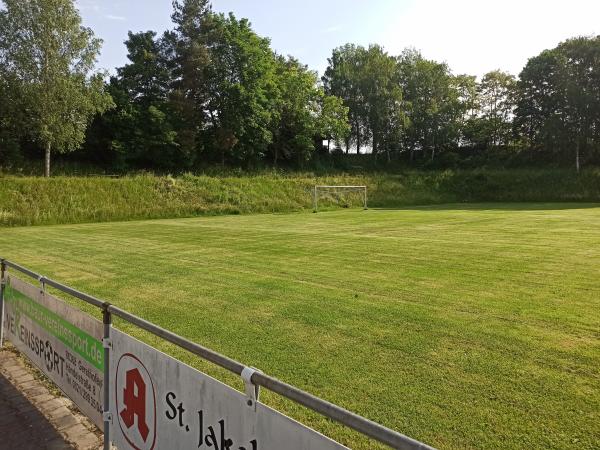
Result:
[
  {"x": 203, "y": 352},
  {"x": 362, "y": 425},
  {"x": 61, "y": 287}
]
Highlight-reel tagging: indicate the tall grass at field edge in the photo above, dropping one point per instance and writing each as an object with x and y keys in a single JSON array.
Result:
[{"x": 61, "y": 200}]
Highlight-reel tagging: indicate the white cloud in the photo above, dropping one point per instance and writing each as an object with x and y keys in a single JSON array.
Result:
[
  {"x": 113, "y": 17},
  {"x": 476, "y": 36},
  {"x": 333, "y": 29},
  {"x": 89, "y": 5}
]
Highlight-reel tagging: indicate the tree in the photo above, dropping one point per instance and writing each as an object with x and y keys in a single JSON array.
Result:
[
  {"x": 212, "y": 90},
  {"x": 366, "y": 80},
  {"x": 332, "y": 120},
  {"x": 189, "y": 62},
  {"x": 537, "y": 99},
  {"x": 140, "y": 130},
  {"x": 51, "y": 56},
  {"x": 558, "y": 106},
  {"x": 496, "y": 102},
  {"x": 11, "y": 120},
  {"x": 559, "y": 100},
  {"x": 436, "y": 110},
  {"x": 384, "y": 103},
  {"x": 303, "y": 113},
  {"x": 468, "y": 97},
  {"x": 296, "y": 110},
  {"x": 241, "y": 91},
  {"x": 344, "y": 79},
  {"x": 580, "y": 83}
]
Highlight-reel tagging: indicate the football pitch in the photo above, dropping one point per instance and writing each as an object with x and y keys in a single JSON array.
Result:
[{"x": 464, "y": 326}]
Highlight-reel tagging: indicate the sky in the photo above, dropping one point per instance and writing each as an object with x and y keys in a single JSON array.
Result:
[{"x": 472, "y": 36}]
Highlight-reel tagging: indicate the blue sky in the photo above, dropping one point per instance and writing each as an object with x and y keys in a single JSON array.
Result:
[{"x": 472, "y": 36}]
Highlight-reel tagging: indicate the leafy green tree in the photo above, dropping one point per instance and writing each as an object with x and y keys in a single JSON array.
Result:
[
  {"x": 51, "y": 56},
  {"x": 189, "y": 63},
  {"x": 436, "y": 110},
  {"x": 332, "y": 120},
  {"x": 496, "y": 102},
  {"x": 469, "y": 99},
  {"x": 304, "y": 113},
  {"x": 558, "y": 106},
  {"x": 344, "y": 78},
  {"x": 384, "y": 103},
  {"x": 11, "y": 119},
  {"x": 537, "y": 118},
  {"x": 235, "y": 101},
  {"x": 467, "y": 93},
  {"x": 241, "y": 91},
  {"x": 580, "y": 82},
  {"x": 366, "y": 80},
  {"x": 140, "y": 131},
  {"x": 146, "y": 78},
  {"x": 294, "y": 125}
]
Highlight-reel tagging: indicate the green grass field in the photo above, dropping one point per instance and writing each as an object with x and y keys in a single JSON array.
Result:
[{"x": 465, "y": 326}]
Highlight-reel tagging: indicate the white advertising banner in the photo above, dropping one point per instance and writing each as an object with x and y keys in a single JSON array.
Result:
[
  {"x": 64, "y": 343},
  {"x": 157, "y": 402}
]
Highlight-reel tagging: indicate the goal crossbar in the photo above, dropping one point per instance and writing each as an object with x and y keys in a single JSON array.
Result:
[{"x": 317, "y": 188}]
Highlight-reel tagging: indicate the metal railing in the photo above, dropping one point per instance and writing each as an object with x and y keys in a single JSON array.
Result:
[{"x": 347, "y": 418}]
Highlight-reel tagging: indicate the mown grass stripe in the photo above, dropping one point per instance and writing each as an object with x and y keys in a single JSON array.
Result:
[{"x": 468, "y": 326}]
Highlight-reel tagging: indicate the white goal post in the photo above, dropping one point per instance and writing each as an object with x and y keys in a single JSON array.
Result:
[{"x": 318, "y": 189}]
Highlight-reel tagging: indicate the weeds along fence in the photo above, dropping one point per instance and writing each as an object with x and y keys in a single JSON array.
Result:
[{"x": 112, "y": 356}]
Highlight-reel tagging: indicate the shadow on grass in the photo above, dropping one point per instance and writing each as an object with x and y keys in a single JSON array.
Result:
[{"x": 499, "y": 206}]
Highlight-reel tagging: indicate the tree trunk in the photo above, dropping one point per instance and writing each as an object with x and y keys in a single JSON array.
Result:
[
  {"x": 577, "y": 158},
  {"x": 47, "y": 161},
  {"x": 357, "y": 138},
  {"x": 375, "y": 148}
]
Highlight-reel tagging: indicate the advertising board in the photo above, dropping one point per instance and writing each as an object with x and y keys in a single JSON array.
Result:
[
  {"x": 157, "y": 402},
  {"x": 63, "y": 342}
]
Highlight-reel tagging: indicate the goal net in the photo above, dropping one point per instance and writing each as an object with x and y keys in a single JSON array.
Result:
[{"x": 339, "y": 196}]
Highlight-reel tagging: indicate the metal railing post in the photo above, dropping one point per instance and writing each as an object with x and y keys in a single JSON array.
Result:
[
  {"x": 106, "y": 342},
  {"x": 2, "y": 285}
]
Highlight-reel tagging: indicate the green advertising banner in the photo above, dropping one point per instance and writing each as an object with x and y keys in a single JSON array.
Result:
[
  {"x": 74, "y": 338},
  {"x": 63, "y": 342}
]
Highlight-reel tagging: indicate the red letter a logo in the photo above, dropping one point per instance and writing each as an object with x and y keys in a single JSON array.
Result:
[{"x": 134, "y": 399}]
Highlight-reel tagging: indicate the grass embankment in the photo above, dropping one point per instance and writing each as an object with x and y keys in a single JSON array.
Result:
[
  {"x": 36, "y": 201},
  {"x": 463, "y": 326}
]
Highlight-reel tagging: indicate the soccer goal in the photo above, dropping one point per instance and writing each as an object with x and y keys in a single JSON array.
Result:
[{"x": 340, "y": 195}]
